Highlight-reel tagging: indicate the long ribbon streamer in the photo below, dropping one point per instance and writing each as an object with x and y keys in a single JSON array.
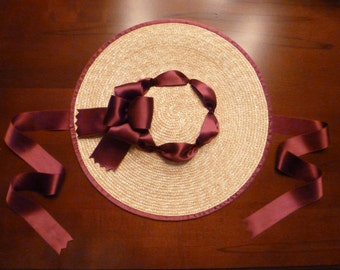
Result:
[
  {"x": 46, "y": 180},
  {"x": 308, "y": 136}
]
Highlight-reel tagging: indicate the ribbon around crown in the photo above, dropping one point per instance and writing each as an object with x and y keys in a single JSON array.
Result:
[{"x": 127, "y": 120}]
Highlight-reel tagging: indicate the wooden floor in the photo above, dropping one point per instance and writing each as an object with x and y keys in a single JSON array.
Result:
[{"x": 44, "y": 46}]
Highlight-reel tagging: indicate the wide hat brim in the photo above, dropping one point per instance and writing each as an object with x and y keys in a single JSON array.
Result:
[{"x": 147, "y": 184}]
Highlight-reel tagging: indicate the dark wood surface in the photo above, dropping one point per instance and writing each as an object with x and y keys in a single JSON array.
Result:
[{"x": 43, "y": 47}]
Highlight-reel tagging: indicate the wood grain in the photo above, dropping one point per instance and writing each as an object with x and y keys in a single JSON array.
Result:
[{"x": 43, "y": 47}]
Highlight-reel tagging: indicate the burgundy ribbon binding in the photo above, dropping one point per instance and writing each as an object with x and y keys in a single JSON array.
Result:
[{"x": 127, "y": 120}]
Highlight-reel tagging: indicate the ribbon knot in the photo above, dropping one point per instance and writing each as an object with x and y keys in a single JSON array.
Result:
[
  {"x": 127, "y": 120},
  {"x": 136, "y": 112}
]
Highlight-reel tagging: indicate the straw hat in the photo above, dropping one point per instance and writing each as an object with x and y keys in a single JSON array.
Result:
[{"x": 146, "y": 183}]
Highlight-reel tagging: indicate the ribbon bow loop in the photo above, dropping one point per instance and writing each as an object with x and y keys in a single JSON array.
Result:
[
  {"x": 116, "y": 111},
  {"x": 131, "y": 90},
  {"x": 139, "y": 113}
]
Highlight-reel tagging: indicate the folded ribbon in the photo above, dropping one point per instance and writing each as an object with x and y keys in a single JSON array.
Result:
[
  {"x": 127, "y": 119},
  {"x": 46, "y": 180},
  {"x": 308, "y": 136}
]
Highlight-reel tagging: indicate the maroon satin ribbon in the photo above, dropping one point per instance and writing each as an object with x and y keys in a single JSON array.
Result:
[
  {"x": 127, "y": 119},
  {"x": 308, "y": 136},
  {"x": 46, "y": 180}
]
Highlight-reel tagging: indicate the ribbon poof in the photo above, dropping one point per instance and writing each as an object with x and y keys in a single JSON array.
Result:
[
  {"x": 46, "y": 179},
  {"x": 127, "y": 120},
  {"x": 308, "y": 136}
]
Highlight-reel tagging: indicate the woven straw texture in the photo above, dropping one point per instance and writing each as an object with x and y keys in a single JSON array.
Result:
[{"x": 147, "y": 183}]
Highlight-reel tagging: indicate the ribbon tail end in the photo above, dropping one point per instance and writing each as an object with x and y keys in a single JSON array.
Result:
[
  {"x": 109, "y": 153},
  {"x": 63, "y": 245},
  {"x": 249, "y": 227},
  {"x": 104, "y": 164}
]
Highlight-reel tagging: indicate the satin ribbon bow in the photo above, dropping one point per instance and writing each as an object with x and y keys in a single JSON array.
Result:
[{"x": 127, "y": 119}]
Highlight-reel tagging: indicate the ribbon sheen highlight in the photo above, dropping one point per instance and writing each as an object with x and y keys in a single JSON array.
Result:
[
  {"x": 308, "y": 136},
  {"x": 128, "y": 117},
  {"x": 46, "y": 180}
]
